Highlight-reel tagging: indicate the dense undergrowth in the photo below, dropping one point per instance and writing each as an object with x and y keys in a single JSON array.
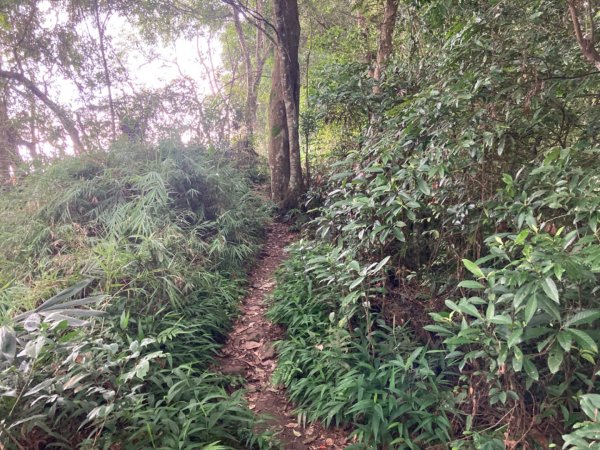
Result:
[
  {"x": 446, "y": 293},
  {"x": 149, "y": 248}
]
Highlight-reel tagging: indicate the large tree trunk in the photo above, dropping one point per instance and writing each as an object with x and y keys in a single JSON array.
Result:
[
  {"x": 279, "y": 147},
  {"x": 287, "y": 24},
  {"x": 386, "y": 34},
  {"x": 66, "y": 121}
]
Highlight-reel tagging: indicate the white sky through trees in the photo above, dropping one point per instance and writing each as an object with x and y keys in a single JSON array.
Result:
[{"x": 149, "y": 66}]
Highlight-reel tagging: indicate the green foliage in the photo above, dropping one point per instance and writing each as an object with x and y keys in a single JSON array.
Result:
[
  {"x": 341, "y": 367},
  {"x": 162, "y": 237},
  {"x": 466, "y": 211},
  {"x": 530, "y": 325}
]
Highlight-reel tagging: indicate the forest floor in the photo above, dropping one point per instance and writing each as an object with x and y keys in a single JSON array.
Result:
[{"x": 250, "y": 353}]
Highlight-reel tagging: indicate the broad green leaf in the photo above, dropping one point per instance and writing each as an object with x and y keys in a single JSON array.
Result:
[
  {"x": 583, "y": 317},
  {"x": 564, "y": 339},
  {"x": 590, "y": 405},
  {"x": 550, "y": 307},
  {"x": 469, "y": 309},
  {"x": 453, "y": 306},
  {"x": 555, "y": 358},
  {"x": 423, "y": 186},
  {"x": 584, "y": 340},
  {"x": 356, "y": 282},
  {"x": 490, "y": 312},
  {"x": 521, "y": 237},
  {"x": 473, "y": 268},
  {"x": 530, "y": 308},
  {"x": 515, "y": 337},
  {"x": 530, "y": 369},
  {"x": 501, "y": 320},
  {"x": 550, "y": 289},
  {"x": 517, "y": 364},
  {"x": 471, "y": 284}
]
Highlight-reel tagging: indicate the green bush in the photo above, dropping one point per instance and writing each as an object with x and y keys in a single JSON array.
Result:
[
  {"x": 480, "y": 157},
  {"x": 344, "y": 365},
  {"x": 160, "y": 240}
]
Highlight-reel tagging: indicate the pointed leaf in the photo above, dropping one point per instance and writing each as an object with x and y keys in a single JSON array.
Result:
[
  {"x": 583, "y": 317},
  {"x": 555, "y": 358},
  {"x": 530, "y": 308},
  {"x": 530, "y": 369},
  {"x": 564, "y": 339},
  {"x": 473, "y": 268},
  {"x": 584, "y": 340},
  {"x": 471, "y": 284},
  {"x": 550, "y": 289},
  {"x": 423, "y": 186}
]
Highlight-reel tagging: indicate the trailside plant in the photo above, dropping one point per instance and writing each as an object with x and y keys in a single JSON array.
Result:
[
  {"x": 343, "y": 365},
  {"x": 480, "y": 158},
  {"x": 160, "y": 239},
  {"x": 530, "y": 327}
]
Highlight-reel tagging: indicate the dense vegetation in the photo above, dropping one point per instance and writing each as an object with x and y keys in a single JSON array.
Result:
[
  {"x": 155, "y": 241},
  {"x": 441, "y": 157},
  {"x": 448, "y": 288}
]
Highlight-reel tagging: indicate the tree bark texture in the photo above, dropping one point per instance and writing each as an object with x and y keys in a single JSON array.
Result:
[
  {"x": 287, "y": 25},
  {"x": 386, "y": 34},
  {"x": 279, "y": 146},
  {"x": 587, "y": 42}
]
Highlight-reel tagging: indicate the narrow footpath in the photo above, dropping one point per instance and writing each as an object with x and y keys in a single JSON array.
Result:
[{"x": 250, "y": 354}]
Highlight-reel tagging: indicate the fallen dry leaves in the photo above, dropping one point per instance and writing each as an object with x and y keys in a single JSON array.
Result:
[{"x": 250, "y": 353}]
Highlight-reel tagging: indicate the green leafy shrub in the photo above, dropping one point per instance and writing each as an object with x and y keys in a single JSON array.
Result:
[
  {"x": 530, "y": 328},
  {"x": 480, "y": 157},
  {"x": 343, "y": 367},
  {"x": 164, "y": 237}
]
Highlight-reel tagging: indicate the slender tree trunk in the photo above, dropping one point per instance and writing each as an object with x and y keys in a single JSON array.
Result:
[
  {"x": 587, "y": 42},
  {"x": 101, "y": 37},
  {"x": 8, "y": 145},
  {"x": 253, "y": 77},
  {"x": 287, "y": 24},
  {"x": 308, "y": 129},
  {"x": 66, "y": 121},
  {"x": 386, "y": 34},
  {"x": 278, "y": 146}
]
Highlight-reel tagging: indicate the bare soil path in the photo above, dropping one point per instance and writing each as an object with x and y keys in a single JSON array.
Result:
[{"x": 249, "y": 353}]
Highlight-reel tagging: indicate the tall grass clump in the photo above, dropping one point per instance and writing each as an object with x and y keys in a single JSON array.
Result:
[{"x": 120, "y": 277}]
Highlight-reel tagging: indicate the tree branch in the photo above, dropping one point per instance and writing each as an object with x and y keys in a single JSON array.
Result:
[
  {"x": 587, "y": 45},
  {"x": 61, "y": 114}
]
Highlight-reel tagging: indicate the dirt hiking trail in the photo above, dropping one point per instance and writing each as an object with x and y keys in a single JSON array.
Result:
[{"x": 249, "y": 353}]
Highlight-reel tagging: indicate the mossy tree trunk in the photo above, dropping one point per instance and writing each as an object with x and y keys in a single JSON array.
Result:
[
  {"x": 287, "y": 69},
  {"x": 279, "y": 145}
]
